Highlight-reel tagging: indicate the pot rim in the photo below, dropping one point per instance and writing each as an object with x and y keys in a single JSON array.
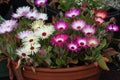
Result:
[{"x": 76, "y": 68}]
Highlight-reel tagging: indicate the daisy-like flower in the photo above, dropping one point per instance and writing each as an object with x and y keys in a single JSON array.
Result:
[
  {"x": 82, "y": 42},
  {"x": 23, "y": 11},
  {"x": 101, "y": 13},
  {"x": 39, "y": 3},
  {"x": 22, "y": 52},
  {"x": 16, "y": 16},
  {"x": 31, "y": 39},
  {"x": 24, "y": 34},
  {"x": 73, "y": 47},
  {"x": 72, "y": 13},
  {"x": 8, "y": 26},
  {"x": 88, "y": 30},
  {"x": 45, "y": 31},
  {"x": 61, "y": 25},
  {"x": 98, "y": 20},
  {"x": 60, "y": 39},
  {"x": 112, "y": 27},
  {"x": 37, "y": 24},
  {"x": 42, "y": 16},
  {"x": 32, "y": 15},
  {"x": 32, "y": 49},
  {"x": 78, "y": 24},
  {"x": 93, "y": 42}
]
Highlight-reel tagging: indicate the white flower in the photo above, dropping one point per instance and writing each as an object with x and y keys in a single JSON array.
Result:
[
  {"x": 37, "y": 24},
  {"x": 22, "y": 52},
  {"x": 78, "y": 24},
  {"x": 89, "y": 30},
  {"x": 32, "y": 49},
  {"x": 17, "y": 16},
  {"x": 42, "y": 16},
  {"x": 32, "y": 14},
  {"x": 23, "y": 11},
  {"x": 24, "y": 34},
  {"x": 31, "y": 39},
  {"x": 45, "y": 31}
]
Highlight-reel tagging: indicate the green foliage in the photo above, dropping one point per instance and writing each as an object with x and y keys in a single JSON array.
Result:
[{"x": 91, "y": 4}]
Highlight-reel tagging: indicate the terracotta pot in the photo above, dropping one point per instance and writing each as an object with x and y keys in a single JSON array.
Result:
[{"x": 89, "y": 72}]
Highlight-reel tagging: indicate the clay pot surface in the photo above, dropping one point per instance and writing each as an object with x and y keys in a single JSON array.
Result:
[{"x": 87, "y": 72}]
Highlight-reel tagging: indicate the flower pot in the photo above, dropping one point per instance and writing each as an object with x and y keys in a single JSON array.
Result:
[{"x": 88, "y": 72}]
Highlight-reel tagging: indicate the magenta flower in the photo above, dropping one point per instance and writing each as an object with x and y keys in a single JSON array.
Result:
[
  {"x": 39, "y": 3},
  {"x": 82, "y": 42},
  {"x": 78, "y": 25},
  {"x": 88, "y": 30},
  {"x": 59, "y": 39},
  {"x": 93, "y": 41},
  {"x": 72, "y": 13},
  {"x": 8, "y": 26},
  {"x": 112, "y": 27},
  {"x": 61, "y": 25},
  {"x": 73, "y": 47}
]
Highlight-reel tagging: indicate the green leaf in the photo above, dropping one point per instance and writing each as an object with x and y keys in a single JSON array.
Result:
[
  {"x": 102, "y": 63},
  {"x": 1, "y": 20},
  {"x": 48, "y": 61},
  {"x": 102, "y": 45}
]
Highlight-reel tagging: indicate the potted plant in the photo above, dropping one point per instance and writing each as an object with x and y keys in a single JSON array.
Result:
[{"x": 72, "y": 44}]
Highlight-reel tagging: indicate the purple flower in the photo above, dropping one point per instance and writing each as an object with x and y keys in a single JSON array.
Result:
[
  {"x": 39, "y": 3},
  {"x": 73, "y": 47},
  {"x": 59, "y": 39},
  {"x": 72, "y": 13},
  {"x": 8, "y": 26},
  {"x": 112, "y": 27},
  {"x": 78, "y": 24},
  {"x": 61, "y": 25},
  {"x": 88, "y": 30},
  {"x": 82, "y": 42}
]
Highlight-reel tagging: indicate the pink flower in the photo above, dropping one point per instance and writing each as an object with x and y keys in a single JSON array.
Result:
[
  {"x": 42, "y": 52},
  {"x": 78, "y": 24},
  {"x": 88, "y": 30},
  {"x": 101, "y": 13},
  {"x": 32, "y": 15},
  {"x": 8, "y": 26},
  {"x": 61, "y": 25},
  {"x": 72, "y": 13},
  {"x": 60, "y": 39},
  {"x": 93, "y": 42},
  {"x": 73, "y": 47},
  {"x": 82, "y": 42},
  {"x": 99, "y": 20},
  {"x": 39, "y": 3},
  {"x": 84, "y": 5},
  {"x": 112, "y": 27}
]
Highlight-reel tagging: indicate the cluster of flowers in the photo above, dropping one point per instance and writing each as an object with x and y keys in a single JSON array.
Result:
[
  {"x": 72, "y": 33},
  {"x": 30, "y": 14}
]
